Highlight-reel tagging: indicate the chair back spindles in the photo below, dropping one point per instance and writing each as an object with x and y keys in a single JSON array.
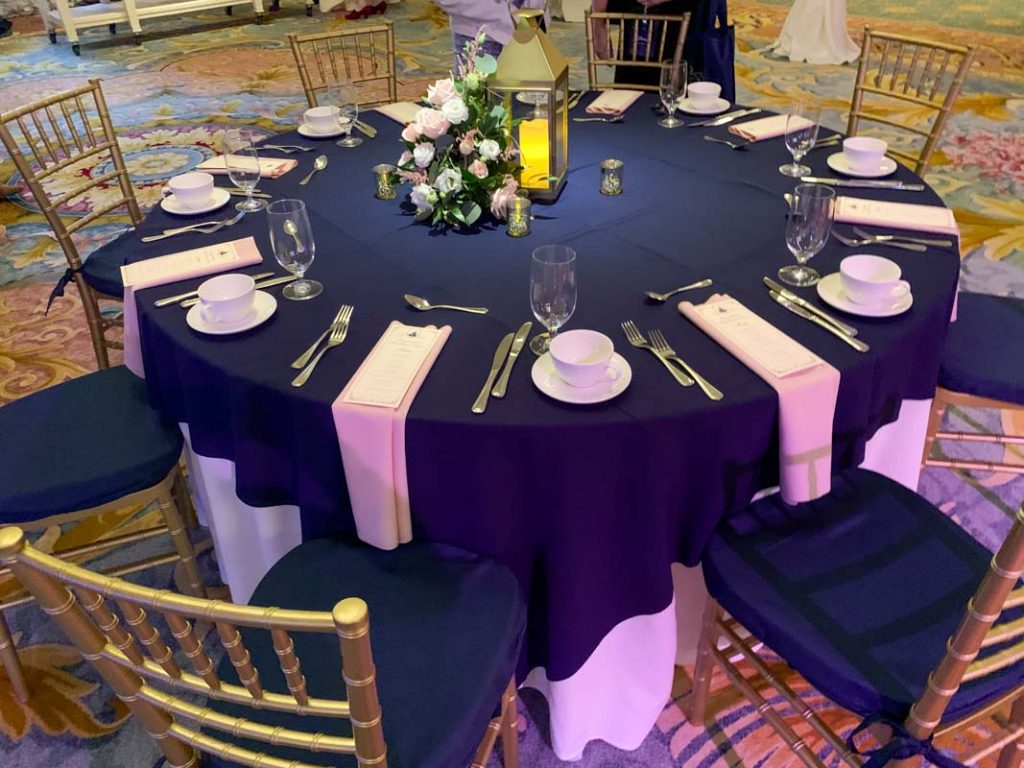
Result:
[
  {"x": 110, "y": 624},
  {"x": 241, "y": 660},
  {"x": 291, "y": 667},
  {"x": 181, "y": 629},
  {"x": 625, "y": 44},
  {"x": 140, "y": 626},
  {"x": 361, "y": 56}
]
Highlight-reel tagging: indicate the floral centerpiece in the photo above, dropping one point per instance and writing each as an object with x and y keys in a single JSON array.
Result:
[{"x": 460, "y": 156}]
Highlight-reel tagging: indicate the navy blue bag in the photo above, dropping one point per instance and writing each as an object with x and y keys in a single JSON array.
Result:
[{"x": 711, "y": 46}]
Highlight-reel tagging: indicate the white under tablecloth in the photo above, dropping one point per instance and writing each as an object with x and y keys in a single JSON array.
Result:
[{"x": 815, "y": 32}]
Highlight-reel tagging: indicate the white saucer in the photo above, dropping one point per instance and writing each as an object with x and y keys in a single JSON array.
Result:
[
  {"x": 309, "y": 133},
  {"x": 688, "y": 106},
  {"x": 838, "y": 162},
  {"x": 218, "y": 199},
  {"x": 551, "y": 384},
  {"x": 831, "y": 291},
  {"x": 264, "y": 306}
]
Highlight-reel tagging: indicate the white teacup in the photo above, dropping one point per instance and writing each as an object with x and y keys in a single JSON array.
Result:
[
  {"x": 583, "y": 358},
  {"x": 322, "y": 119},
  {"x": 193, "y": 190},
  {"x": 227, "y": 298},
  {"x": 703, "y": 93},
  {"x": 871, "y": 280},
  {"x": 863, "y": 153}
]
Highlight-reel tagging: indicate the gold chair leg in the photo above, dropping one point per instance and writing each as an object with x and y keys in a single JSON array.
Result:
[
  {"x": 1012, "y": 755},
  {"x": 9, "y": 661},
  {"x": 94, "y": 321},
  {"x": 182, "y": 542},
  {"x": 184, "y": 500},
  {"x": 938, "y": 410},
  {"x": 509, "y": 728},
  {"x": 694, "y": 704}
]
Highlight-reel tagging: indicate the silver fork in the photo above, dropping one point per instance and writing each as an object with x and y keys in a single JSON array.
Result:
[
  {"x": 339, "y": 331},
  {"x": 304, "y": 357},
  {"x": 730, "y": 144},
  {"x": 634, "y": 337},
  {"x": 616, "y": 119},
  {"x": 662, "y": 346},
  {"x": 872, "y": 241},
  {"x": 206, "y": 228},
  {"x": 903, "y": 238}
]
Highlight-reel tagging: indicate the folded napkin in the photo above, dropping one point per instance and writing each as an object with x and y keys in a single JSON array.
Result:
[
  {"x": 924, "y": 218},
  {"x": 764, "y": 128},
  {"x": 403, "y": 112},
  {"x": 170, "y": 269},
  {"x": 372, "y": 436},
  {"x": 614, "y": 102},
  {"x": 807, "y": 387},
  {"x": 270, "y": 168}
]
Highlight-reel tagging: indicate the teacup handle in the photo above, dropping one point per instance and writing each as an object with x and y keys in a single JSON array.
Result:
[
  {"x": 204, "y": 312},
  {"x": 901, "y": 289},
  {"x": 611, "y": 373}
]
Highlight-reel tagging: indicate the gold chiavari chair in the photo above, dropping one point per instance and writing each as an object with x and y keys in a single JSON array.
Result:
[
  {"x": 625, "y": 44},
  {"x": 50, "y": 136},
  {"x": 909, "y": 75},
  {"x": 882, "y": 603},
  {"x": 362, "y": 55},
  {"x": 303, "y": 727}
]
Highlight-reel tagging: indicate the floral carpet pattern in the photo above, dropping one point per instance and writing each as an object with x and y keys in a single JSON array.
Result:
[{"x": 191, "y": 77}]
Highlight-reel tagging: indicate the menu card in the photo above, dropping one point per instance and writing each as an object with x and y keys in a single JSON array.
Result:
[
  {"x": 193, "y": 263},
  {"x": 270, "y": 168},
  {"x": 403, "y": 112},
  {"x": 926, "y": 218},
  {"x": 389, "y": 371},
  {"x": 613, "y": 102},
  {"x": 758, "y": 338}
]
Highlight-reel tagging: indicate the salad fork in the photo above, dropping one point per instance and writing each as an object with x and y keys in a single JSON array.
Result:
[
  {"x": 662, "y": 346},
  {"x": 730, "y": 144},
  {"x": 634, "y": 337},
  {"x": 339, "y": 331},
  {"x": 903, "y": 238},
  {"x": 206, "y": 228},
  {"x": 854, "y": 243},
  {"x": 615, "y": 119},
  {"x": 305, "y": 356}
]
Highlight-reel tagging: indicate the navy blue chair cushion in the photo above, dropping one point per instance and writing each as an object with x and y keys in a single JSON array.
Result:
[
  {"x": 102, "y": 271},
  {"x": 445, "y": 629},
  {"x": 857, "y": 591},
  {"x": 982, "y": 352},
  {"x": 80, "y": 444}
]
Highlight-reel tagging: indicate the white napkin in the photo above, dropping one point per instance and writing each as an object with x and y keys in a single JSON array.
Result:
[
  {"x": 764, "y": 128},
  {"x": 614, "y": 102},
  {"x": 924, "y": 218},
  {"x": 403, "y": 112}
]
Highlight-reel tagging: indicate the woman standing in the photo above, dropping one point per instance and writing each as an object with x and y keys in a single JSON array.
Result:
[
  {"x": 468, "y": 18},
  {"x": 815, "y": 32}
]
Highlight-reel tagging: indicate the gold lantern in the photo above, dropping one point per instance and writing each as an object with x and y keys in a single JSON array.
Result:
[{"x": 533, "y": 82}]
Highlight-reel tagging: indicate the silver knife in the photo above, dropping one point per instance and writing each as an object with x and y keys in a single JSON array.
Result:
[
  {"x": 499, "y": 357},
  {"x": 857, "y": 344},
  {"x": 517, "y": 345},
  {"x": 240, "y": 193},
  {"x": 265, "y": 284},
  {"x": 864, "y": 183},
  {"x": 726, "y": 118},
  {"x": 785, "y": 293},
  {"x": 168, "y": 300},
  {"x": 366, "y": 129}
]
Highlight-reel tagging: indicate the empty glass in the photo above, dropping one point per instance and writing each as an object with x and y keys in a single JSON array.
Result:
[
  {"x": 294, "y": 247},
  {"x": 552, "y": 291},
  {"x": 673, "y": 88},
  {"x": 346, "y": 99},
  {"x": 801, "y": 136},
  {"x": 807, "y": 229},
  {"x": 243, "y": 163}
]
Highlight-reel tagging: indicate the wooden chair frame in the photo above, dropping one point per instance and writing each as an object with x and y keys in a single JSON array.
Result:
[
  {"x": 660, "y": 25},
  {"x": 133, "y": 658},
  {"x": 723, "y": 638},
  {"x": 356, "y": 55},
  {"x": 945, "y": 398},
  {"x": 49, "y": 135},
  {"x": 912, "y": 71}
]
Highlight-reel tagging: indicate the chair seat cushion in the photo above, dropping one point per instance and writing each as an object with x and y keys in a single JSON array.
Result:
[
  {"x": 80, "y": 444},
  {"x": 102, "y": 270},
  {"x": 857, "y": 591},
  {"x": 445, "y": 630},
  {"x": 982, "y": 353}
]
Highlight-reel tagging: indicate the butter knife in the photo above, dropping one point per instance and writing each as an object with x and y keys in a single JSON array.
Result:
[
  {"x": 785, "y": 293},
  {"x": 168, "y": 300},
  {"x": 265, "y": 284},
  {"x": 517, "y": 346},
  {"x": 726, "y": 118},
  {"x": 864, "y": 183},
  {"x": 857, "y": 344},
  {"x": 499, "y": 357}
]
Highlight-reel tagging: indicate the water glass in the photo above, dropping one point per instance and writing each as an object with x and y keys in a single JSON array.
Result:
[
  {"x": 673, "y": 88},
  {"x": 552, "y": 291},
  {"x": 807, "y": 229},
  {"x": 346, "y": 99},
  {"x": 243, "y": 164},
  {"x": 294, "y": 247},
  {"x": 801, "y": 135}
]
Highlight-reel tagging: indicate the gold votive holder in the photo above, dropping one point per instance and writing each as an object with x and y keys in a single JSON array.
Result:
[
  {"x": 385, "y": 177},
  {"x": 611, "y": 177},
  {"x": 518, "y": 217}
]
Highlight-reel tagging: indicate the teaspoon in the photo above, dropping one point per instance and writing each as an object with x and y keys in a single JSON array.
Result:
[
  {"x": 423, "y": 305},
  {"x": 290, "y": 229},
  {"x": 318, "y": 165},
  {"x": 661, "y": 298}
]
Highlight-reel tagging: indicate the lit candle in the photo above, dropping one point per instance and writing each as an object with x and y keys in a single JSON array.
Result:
[{"x": 533, "y": 146}]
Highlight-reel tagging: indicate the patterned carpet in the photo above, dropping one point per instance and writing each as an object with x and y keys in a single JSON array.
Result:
[{"x": 189, "y": 78}]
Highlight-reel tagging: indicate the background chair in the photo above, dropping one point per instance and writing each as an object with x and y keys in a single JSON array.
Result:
[
  {"x": 362, "y": 55},
  {"x": 635, "y": 68},
  {"x": 81, "y": 449},
  {"x": 49, "y": 136},
  {"x": 446, "y": 635},
  {"x": 898, "y": 79},
  {"x": 859, "y": 592}
]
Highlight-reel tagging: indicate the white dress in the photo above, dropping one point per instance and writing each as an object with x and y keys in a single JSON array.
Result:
[{"x": 815, "y": 32}]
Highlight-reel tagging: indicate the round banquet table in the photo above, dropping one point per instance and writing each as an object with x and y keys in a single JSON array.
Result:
[{"x": 589, "y": 506}]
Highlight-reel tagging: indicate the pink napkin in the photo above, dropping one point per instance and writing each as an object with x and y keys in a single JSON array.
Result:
[
  {"x": 170, "y": 269},
  {"x": 402, "y": 112},
  {"x": 763, "y": 128},
  {"x": 613, "y": 102},
  {"x": 270, "y": 168},
  {"x": 807, "y": 404},
  {"x": 372, "y": 442},
  {"x": 924, "y": 218}
]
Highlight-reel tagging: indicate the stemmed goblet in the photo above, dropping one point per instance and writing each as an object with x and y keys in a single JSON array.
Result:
[
  {"x": 802, "y": 125},
  {"x": 552, "y": 291},
  {"x": 807, "y": 229},
  {"x": 346, "y": 99},
  {"x": 294, "y": 247},
  {"x": 673, "y": 88},
  {"x": 243, "y": 164}
]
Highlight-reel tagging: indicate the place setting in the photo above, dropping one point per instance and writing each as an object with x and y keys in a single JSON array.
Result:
[{"x": 338, "y": 117}]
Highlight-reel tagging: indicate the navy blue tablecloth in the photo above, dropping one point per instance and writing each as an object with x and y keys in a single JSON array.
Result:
[{"x": 587, "y": 505}]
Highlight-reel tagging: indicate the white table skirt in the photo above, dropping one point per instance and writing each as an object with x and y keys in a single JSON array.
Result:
[
  {"x": 815, "y": 32},
  {"x": 618, "y": 693}
]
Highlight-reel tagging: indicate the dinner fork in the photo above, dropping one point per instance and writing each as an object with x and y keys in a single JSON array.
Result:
[
  {"x": 616, "y": 119},
  {"x": 339, "y": 331},
  {"x": 302, "y": 359},
  {"x": 634, "y": 337},
  {"x": 288, "y": 149},
  {"x": 903, "y": 238},
  {"x": 730, "y": 144},
  {"x": 206, "y": 228},
  {"x": 871, "y": 241},
  {"x": 662, "y": 346}
]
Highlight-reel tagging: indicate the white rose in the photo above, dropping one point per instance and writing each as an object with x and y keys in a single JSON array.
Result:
[
  {"x": 432, "y": 123},
  {"x": 448, "y": 182},
  {"x": 420, "y": 197},
  {"x": 405, "y": 159},
  {"x": 441, "y": 92},
  {"x": 489, "y": 149},
  {"x": 423, "y": 154},
  {"x": 456, "y": 111}
]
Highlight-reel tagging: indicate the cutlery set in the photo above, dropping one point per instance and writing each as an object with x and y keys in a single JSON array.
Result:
[
  {"x": 505, "y": 355},
  {"x": 658, "y": 346},
  {"x": 205, "y": 227},
  {"x": 808, "y": 311},
  {"x": 334, "y": 335}
]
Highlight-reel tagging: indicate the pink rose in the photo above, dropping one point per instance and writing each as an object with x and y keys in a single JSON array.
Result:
[
  {"x": 432, "y": 123},
  {"x": 466, "y": 146},
  {"x": 478, "y": 168},
  {"x": 411, "y": 133},
  {"x": 441, "y": 92},
  {"x": 500, "y": 200}
]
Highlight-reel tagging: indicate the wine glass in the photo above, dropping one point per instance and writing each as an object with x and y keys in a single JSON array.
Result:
[
  {"x": 807, "y": 230},
  {"x": 552, "y": 291},
  {"x": 673, "y": 88},
  {"x": 801, "y": 136},
  {"x": 243, "y": 164},
  {"x": 294, "y": 247},
  {"x": 345, "y": 98}
]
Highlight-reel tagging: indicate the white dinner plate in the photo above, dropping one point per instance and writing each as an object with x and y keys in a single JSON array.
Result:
[
  {"x": 838, "y": 162},
  {"x": 218, "y": 199},
  {"x": 831, "y": 291},
  {"x": 309, "y": 133},
  {"x": 551, "y": 384},
  {"x": 690, "y": 107},
  {"x": 263, "y": 306}
]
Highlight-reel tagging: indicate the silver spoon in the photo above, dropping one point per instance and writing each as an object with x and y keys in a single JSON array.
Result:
[
  {"x": 423, "y": 305},
  {"x": 661, "y": 298},
  {"x": 290, "y": 229},
  {"x": 318, "y": 165}
]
